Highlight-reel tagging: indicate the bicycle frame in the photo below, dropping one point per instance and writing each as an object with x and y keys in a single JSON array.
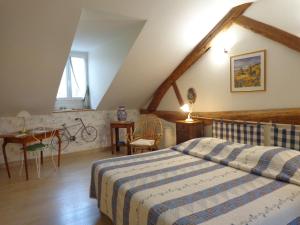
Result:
[
  {"x": 70, "y": 136},
  {"x": 83, "y": 126}
]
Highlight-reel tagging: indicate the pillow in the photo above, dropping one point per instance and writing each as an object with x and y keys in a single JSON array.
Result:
[
  {"x": 143, "y": 142},
  {"x": 285, "y": 137},
  {"x": 240, "y": 133},
  {"x": 273, "y": 162}
]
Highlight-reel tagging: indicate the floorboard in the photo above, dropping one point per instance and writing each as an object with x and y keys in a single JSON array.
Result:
[{"x": 58, "y": 198}]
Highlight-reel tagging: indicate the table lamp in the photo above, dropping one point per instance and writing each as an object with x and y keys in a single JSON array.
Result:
[
  {"x": 188, "y": 109},
  {"x": 191, "y": 97},
  {"x": 24, "y": 115}
]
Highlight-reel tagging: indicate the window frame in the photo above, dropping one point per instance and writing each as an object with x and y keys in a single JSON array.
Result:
[{"x": 83, "y": 55}]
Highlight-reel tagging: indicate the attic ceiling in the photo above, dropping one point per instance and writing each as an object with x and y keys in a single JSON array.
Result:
[
  {"x": 172, "y": 30},
  {"x": 281, "y": 14},
  {"x": 107, "y": 38},
  {"x": 96, "y": 28},
  {"x": 36, "y": 38},
  {"x": 35, "y": 41}
]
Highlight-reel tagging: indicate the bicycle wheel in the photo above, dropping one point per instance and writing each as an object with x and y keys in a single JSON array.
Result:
[
  {"x": 64, "y": 141},
  {"x": 89, "y": 134}
]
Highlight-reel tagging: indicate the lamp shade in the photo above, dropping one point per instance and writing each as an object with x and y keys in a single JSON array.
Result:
[
  {"x": 185, "y": 108},
  {"x": 23, "y": 114}
]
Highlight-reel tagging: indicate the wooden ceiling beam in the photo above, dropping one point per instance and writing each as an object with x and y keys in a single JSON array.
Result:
[
  {"x": 270, "y": 32},
  {"x": 178, "y": 95},
  {"x": 196, "y": 53}
]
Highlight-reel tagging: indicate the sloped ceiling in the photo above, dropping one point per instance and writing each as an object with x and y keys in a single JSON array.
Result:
[
  {"x": 96, "y": 28},
  {"x": 173, "y": 28},
  {"x": 168, "y": 53},
  {"x": 107, "y": 38},
  {"x": 36, "y": 37},
  {"x": 35, "y": 40},
  {"x": 281, "y": 14},
  {"x": 210, "y": 74}
]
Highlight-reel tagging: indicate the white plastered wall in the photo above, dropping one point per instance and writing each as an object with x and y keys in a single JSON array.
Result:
[
  {"x": 210, "y": 75},
  {"x": 105, "y": 62},
  {"x": 35, "y": 40}
]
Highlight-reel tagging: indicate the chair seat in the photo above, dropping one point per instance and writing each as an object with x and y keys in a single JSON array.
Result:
[
  {"x": 35, "y": 147},
  {"x": 143, "y": 142}
]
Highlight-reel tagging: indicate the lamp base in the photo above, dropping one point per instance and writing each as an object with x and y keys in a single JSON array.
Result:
[{"x": 189, "y": 120}]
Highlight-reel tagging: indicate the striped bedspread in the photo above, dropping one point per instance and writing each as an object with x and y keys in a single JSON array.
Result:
[{"x": 202, "y": 181}]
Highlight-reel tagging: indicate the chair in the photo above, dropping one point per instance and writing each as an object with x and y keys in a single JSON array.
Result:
[
  {"x": 146, "y": 135},
  {"x": 38, "y": 148}
]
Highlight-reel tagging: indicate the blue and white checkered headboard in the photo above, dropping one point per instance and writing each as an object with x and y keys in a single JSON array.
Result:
[
  {"x": 285, "y": 137},
  {"x": 241, "y": 133}
]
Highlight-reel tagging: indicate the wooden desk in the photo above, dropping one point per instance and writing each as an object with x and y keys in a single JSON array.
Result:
[
  {"x": 25, "y": 140},
  {"x": 128, "y": 125},
  {"x": 188, "y": 130}
]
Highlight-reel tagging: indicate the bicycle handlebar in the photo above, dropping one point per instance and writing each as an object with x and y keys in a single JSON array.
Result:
[{"x": 81, "y": 122}]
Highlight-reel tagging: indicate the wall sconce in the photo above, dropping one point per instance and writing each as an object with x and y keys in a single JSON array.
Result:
[{"x": 225, "y": 41}]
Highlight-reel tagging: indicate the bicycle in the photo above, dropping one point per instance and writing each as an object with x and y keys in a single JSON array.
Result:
[{"x": 88, "y": 134}]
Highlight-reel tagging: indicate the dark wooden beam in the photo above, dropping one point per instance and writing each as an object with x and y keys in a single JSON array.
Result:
[
  {"x": 170, "y": 116},
  {"x": 285, "y": 116},
  {"x": 177, "y": 93},
  {"x": 270, "y": 32},
  {"x": 196, "y": 53}
]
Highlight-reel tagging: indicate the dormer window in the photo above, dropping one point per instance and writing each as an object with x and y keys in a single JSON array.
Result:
[
  {"x": 73, "y": 89},
  {"x": 73, "y": 84}
]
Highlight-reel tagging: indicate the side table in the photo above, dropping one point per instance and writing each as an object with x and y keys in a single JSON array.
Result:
[
  {"x": 116, "y": 125},
  {"x": 188, "y": 130}
]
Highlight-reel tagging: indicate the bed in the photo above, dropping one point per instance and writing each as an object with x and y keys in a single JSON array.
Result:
[{"x": 201, "y": 181}]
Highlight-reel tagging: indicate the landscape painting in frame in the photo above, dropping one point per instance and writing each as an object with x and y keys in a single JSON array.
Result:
[{"x": 248, "y": 72}]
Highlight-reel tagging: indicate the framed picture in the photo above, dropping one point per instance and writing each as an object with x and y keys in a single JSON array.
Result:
[{"x": 248, "y": 72}]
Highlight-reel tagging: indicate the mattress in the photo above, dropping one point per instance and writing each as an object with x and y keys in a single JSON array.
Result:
[{"x": 201, "y": 181}]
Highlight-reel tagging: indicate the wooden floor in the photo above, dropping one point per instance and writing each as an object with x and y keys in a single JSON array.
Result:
[{"x": 57, "y": 198}]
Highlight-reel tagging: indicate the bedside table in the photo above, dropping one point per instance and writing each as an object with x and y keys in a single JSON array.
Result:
[
  {"x": 116, "y": 125},
  {"x": 188, "y": 130}
]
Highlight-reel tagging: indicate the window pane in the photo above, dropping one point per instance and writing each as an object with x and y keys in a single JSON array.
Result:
[
  {"x": 78, "y": 77},
  {"x": 62, "y": 90}
]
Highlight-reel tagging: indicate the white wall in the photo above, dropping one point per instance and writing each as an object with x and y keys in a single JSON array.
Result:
[
  {"x": 172, "y": 30},
  {"x": 210, "y": 76},
  {"x": 99, "y": 119},
  {"x": 105, "y": 61},
  {"x": 35, "y": 40},
  {"x": 36, "y": 36}
]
